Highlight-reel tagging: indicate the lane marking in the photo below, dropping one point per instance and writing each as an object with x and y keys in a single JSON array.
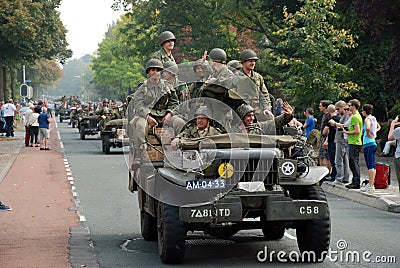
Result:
[{"x": 290, "y": 236}]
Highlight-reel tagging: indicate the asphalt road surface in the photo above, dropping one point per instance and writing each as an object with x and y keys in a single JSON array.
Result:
[{"x": 112, "y": 217}]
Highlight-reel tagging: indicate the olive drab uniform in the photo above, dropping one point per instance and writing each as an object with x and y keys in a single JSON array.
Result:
[
  {"x": 156, "y": 101},
  {"x": 269, "y": 127},
  {"x": 261, "y": 101},
  {"x": 194, "y": 132},
  {"x": 162, "y": 56}
]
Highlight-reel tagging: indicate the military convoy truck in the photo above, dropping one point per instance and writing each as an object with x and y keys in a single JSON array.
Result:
[{"x": 214, "y": 184}]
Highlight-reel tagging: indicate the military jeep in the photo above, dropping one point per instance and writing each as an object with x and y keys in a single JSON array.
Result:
[
  {"x": 214, "y": 184},
  {"x": 64, "y": 114},
  {"x": 87, "y": 125},
  {"x": 114, "y": 135}
]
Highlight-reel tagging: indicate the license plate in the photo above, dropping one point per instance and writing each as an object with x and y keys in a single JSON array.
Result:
[
  {"x": 223, "y": 212},
  {"x": 205, "y": 184}
]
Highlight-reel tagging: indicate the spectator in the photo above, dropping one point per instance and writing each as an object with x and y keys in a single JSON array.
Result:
[
  {"x": 330, "y": 132},
  {"x": 34, "y": 127},
  {"x": 386, "y": 149},
  {"x": 2, "y": 120},
  {"x": 341, "y": 155},
  {"x": 355, "y": 143},
  {"x": 28, "y": 114},
  {"x": 279, "y": 103},
  {"x": 4, "y": 207},
  {"x": 370, "y": 128},
  {"x": 9, "y": 114},
  {"x": 310, "y": 121},
  {"x": 323, "y": 154},
  {"x": 44, "y": 130},
  {"x": 394, "y": 134}
]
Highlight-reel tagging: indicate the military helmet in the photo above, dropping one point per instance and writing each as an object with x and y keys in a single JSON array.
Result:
[
  {"x": 171, "y": 67},
  {"x": 165, "y": 36},
  {"x": 105, "y": 100},
  {"x": 203, "y": 110},
  {"x": 200, "y": 62},
  {"x": 248, "y": 54},
  {"x": 244, "y": 109},
  {"x": 234, "y": 64},
  {"x": 154, "y": 63},
  {"x": 218, "y": 55}
]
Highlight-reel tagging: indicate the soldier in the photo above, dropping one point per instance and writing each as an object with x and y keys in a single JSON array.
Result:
[
  {"x": 202, "y": 128},
  {"x": 154, "y": 102},
  {"x": 104, "y": 118},
  {"x": 235, "y": 66},
  {"x": 261, "y": 102},
  {"x": 167, "y": 42},
  {"x": 202, "y": 69},
  {"x": 170, "y": 73},
  {"x": 269, "y": 127},
  {"x": 100, "y": 110}
]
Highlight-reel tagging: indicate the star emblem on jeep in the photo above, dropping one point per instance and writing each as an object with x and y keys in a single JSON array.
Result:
[{"x": 287, "y": 168}]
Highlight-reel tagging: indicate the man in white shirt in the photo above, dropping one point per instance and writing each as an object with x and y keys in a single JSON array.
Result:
[{"x": 9, "y": 113}]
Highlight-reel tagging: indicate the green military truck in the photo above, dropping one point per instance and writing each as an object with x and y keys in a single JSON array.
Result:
[{"x": 214, "y": 184}]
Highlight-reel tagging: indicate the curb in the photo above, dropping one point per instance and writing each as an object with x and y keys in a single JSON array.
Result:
[{"x": 369, "y": 199}]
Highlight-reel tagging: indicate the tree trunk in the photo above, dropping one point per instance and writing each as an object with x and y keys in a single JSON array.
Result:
[
  {"x": 12, "y": 79},
  {"x": 1, "y": 84},
  {"x": 5, "y": 89}
]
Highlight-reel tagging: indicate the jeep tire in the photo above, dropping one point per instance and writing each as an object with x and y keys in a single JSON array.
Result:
[
  {"x": 171, "y": 234},
  {"x": 314, "y": 235},
  {"x": 148, "y": 226},
  {"x": 82, "y": 132}
]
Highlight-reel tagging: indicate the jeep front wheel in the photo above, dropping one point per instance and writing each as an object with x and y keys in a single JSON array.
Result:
[
  {"x": 148, "y": 226},
  {"x": 314, "y": 235},
  {"x": 171, "y": 234},
  {"x": 82, "y": 132}
]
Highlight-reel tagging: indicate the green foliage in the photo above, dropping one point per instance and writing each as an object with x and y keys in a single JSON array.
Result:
[
  {"x": 115, "y": 65},
  {"x": 307, "y": 54}
]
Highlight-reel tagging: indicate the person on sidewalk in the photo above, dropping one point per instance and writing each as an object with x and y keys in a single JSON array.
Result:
[
  {"x": 4, "y": 207},
  {"x": 394, "y": 134},
  {"x": 370, "y": 128},
  {"x": 28, "y": 114},
  {"x": 34, "y": 127},
  {"x": 341, "y": 156},
  {"x": 355, "y": 143},
  {"x": 323, "y": 154},
  {"x": 310, "y": 122},
  {"x": 387, "y": 147},
  {"x": 9, "y": 114},
  {"x": 44, "y": 129}
]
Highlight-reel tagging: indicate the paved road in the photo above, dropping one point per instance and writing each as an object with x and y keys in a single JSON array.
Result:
[{"x": 112, "y": 217}]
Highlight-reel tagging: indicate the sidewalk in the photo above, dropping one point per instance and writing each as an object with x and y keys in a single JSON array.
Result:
[
  {"x": 385, "y": 199},
  {"x": 34, "y": 183}
]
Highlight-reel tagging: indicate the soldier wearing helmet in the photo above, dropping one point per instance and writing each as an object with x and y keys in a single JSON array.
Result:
[
  {"x": 269, "y": 127},
  {"x": 202, "y": 70},
  {"x": 170, "y": 73},
  {"x": 235, "y": 66},
  {"x": 167, "y": 42},
  {"x": 101, "y": 109},
  {"x": 154, "y": 103},
  {"x": 104, "y": 118},
  {"x": 261, "y": 102},
  {"x": 200, "y": 129}
]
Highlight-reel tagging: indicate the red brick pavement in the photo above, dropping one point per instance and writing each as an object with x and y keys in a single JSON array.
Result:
[{"x": 36, "y": 232}]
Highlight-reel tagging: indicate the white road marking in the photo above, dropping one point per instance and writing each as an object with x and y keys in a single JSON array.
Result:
[{"x": 290, "y": 236}]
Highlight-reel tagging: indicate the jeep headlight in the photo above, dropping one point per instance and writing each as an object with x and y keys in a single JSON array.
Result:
[{"x": 114, "y": 129}]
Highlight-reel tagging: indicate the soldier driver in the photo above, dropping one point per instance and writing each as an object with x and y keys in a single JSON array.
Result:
[
  {"x": 269, "y": 127},
  {"x": 154, "y": 102},
  {"x": 201, "y": 129}
]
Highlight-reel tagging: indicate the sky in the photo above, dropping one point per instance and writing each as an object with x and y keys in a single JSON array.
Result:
[{"x": 86, "y": 22}]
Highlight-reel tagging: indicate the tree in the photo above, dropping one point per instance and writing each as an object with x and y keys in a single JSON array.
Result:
[
  {"x": 30, "y": 30},
  {"x": 307, "y": 54}
]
